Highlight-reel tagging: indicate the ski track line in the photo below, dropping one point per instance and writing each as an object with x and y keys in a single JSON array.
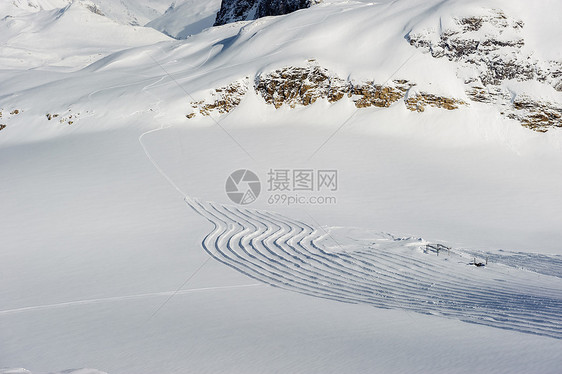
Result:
[
  {"x": 121, "y": 298},
  {"x": 286, "y": 253}
]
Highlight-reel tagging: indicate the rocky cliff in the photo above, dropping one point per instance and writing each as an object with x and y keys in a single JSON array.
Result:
[{"x": 242, "y": 10}]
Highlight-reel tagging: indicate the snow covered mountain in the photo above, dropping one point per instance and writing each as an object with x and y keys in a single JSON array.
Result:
[
  {"x": 127, "y": 12},
  {"x": 122, "y": 122},
  {"x": 72, "y": 35}
]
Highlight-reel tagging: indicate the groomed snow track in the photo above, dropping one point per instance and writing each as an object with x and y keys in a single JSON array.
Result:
[{"x": 286, "y": 253}]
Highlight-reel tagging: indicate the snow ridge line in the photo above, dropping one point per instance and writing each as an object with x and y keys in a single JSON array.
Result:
[{"x": 285, "y": 253}]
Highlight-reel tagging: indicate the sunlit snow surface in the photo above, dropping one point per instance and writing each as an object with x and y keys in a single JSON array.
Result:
[{"x": 104, "y": 265}]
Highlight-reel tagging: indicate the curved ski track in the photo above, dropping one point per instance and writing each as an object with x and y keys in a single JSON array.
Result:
[{"x": 285, "y": 253}]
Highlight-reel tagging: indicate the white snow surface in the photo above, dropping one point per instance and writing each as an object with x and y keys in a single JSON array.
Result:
[
  {"x": 69, "y": 37},
  {"x": 120, "y": 250}
]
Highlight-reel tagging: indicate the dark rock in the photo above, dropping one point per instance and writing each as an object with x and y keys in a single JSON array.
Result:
[{"x": 244, "y": 10}]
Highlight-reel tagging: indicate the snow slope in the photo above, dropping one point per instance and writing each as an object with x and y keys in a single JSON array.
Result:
[
  {"x": 72, "y": 37},
  {"x": 108, "y": 258},
  {"x": 187, "y": 18}
]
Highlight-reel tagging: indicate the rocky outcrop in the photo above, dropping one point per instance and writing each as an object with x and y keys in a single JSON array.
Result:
[
  {"x": 418, "y": 102},
  {"x": 489, "y": 51},
  {"x": 301, "y": 86},
  {"x": 535, "y": 114},
  {"x": 68, "y": 117},
  {"x": 294, "y": 86},
  {"x": 243, "y": 10},
  {"x": 304, "y": 85},
  {"x": 94, "y": 8},
  {"x": 490, "y": 43},
  {"x": 221, "y": 100},
  {"x": 6, "y": 117}
]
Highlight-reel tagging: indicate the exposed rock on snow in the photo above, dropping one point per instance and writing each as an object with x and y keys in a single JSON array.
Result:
[
  {"x": 302, "y": 86},
  {"x": 94, "y": 9},
  {"x": 7, "y": 118},
  {"x": 418, "y": 102},
  {"x": 536, "y": 115},
  {"x": 299, "y": 86},
  {"x": 68, "y": 117},
  {"x": 491, "y": 43},
  {"x": 222, "y": 100},
  {"x": 242, "y": 10},
  {"x": 489, "y": 52}
]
